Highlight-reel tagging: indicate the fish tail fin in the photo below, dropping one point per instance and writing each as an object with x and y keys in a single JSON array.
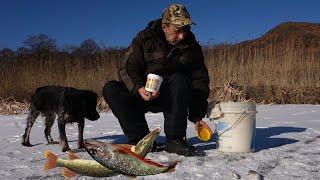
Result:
[
  {"x": 51, "y": 160},
  {"x": 67, "y": 173},
  {"x": 172, "y": 166},
  {"x": 72, "y": 156}
]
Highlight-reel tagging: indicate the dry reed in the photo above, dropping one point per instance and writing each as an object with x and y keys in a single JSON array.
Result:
[{"x": 273, "y": 72}]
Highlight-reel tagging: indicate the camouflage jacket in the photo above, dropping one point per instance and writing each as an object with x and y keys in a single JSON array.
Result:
[{"x": 149, "y": 52}]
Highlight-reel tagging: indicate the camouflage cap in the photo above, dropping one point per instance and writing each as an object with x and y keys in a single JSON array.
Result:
[{"x": 176, "y": 14}]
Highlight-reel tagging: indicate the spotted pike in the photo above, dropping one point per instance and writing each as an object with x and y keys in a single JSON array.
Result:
[
  {"x": 124, "y": 161},
  {"x": 92, "y": 168}
]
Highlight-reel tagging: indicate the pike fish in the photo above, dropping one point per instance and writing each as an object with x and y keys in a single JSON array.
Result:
[
  {"x": 124, "y": 161},
  {"x": 92, "y": 168}
]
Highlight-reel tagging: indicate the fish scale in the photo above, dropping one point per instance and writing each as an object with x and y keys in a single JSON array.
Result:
[
  {"x": 77, "y": 165},
  {"x": 130, "y": 166}
]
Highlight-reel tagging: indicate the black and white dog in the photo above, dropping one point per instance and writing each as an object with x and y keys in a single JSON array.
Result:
[{"x": 69, "y": 104}]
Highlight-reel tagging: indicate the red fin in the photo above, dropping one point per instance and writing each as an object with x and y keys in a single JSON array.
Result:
[
  {"x": 51, "y": 160},
  {"x": 67, "y": 173},
  {"x": 127, "y": 146},
  {"x": 72, "y": 156},
  {"x": 127, "y": 151},
  {"x": 172, "y": 167}
]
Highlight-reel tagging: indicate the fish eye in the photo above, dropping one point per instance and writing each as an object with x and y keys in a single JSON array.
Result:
[{"x": 92, "y": 151}]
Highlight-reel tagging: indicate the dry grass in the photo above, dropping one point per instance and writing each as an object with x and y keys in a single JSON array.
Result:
[
  {"x": 272, "y": 69},
  {"x": 286, "y": 72},
  {"x": 283, "y": 65},
  {"x": 231, "y": 92},
  {"x": 21, "y": 78},
  {"x": 11, "y": 106}
]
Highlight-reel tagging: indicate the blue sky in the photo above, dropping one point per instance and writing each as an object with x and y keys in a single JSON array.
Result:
[{"x": 116, "y": 22}]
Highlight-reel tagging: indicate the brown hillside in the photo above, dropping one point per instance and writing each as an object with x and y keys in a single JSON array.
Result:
[{"x": 304, "y": 33}]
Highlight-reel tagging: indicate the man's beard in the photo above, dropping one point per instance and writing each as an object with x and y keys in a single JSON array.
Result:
[{"x": 173, "y": 42}]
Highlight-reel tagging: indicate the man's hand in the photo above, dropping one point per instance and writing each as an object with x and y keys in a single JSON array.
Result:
[
  {"x": 203, "y": 131},
  {"x": 201, "y": 124},
  {"x": 146, "y": 95}
]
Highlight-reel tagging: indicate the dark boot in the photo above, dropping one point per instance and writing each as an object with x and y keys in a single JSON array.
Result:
[
  {"x": 157, "y": 147},
  {"x": 180, "y": 147}
]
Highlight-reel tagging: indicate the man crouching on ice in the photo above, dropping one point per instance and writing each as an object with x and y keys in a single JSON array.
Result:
[{"x": 166, "y": 47}]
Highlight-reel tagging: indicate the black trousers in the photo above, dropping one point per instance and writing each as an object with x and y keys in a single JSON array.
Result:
[{"x": 174, "y": 100}]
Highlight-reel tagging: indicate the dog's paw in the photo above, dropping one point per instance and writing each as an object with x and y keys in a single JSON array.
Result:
[
  {"x": 65, "y": 149},
  {"x": 53, "y": 142},
  {"x": 81, "y": 145},
  {"x": 27, "y": 144}
]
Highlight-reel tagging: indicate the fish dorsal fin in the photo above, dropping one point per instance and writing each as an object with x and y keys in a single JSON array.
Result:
[
  {"x": 67, "y": 173},
  {"x": 127, "y": 151},
  {"x": 72, "y": 156}
]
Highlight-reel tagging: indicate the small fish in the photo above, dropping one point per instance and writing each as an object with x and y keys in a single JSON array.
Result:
[
  {"x": 92, "y": 168},
  {"x": 75, "y": 166},
  {"x": 124, "y": 161}
]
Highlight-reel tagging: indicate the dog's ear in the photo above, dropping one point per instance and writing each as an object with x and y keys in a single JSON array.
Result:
[
  {"x": 87, "y": 100},
  {"x": 89, "y": 105},
  {"x": 91, "y": 94}
]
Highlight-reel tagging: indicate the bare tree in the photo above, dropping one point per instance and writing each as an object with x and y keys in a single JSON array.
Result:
[
  {"x": 89, "y": 46},
  {"x": 40, "y": 42}
]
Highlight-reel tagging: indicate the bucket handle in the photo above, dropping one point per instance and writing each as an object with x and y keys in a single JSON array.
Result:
[
  {"x": 243, "y": 114},
  {"x": 239, "y": 112}
]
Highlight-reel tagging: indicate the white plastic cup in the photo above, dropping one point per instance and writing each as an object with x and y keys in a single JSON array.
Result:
[{"x": 153, "y": 83}]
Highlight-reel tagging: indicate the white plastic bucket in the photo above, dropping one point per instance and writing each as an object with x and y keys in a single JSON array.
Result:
[{"x": 236, "y": 128}]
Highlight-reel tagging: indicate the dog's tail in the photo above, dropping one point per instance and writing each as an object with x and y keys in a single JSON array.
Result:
[{"x": 51, "y": 160}]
